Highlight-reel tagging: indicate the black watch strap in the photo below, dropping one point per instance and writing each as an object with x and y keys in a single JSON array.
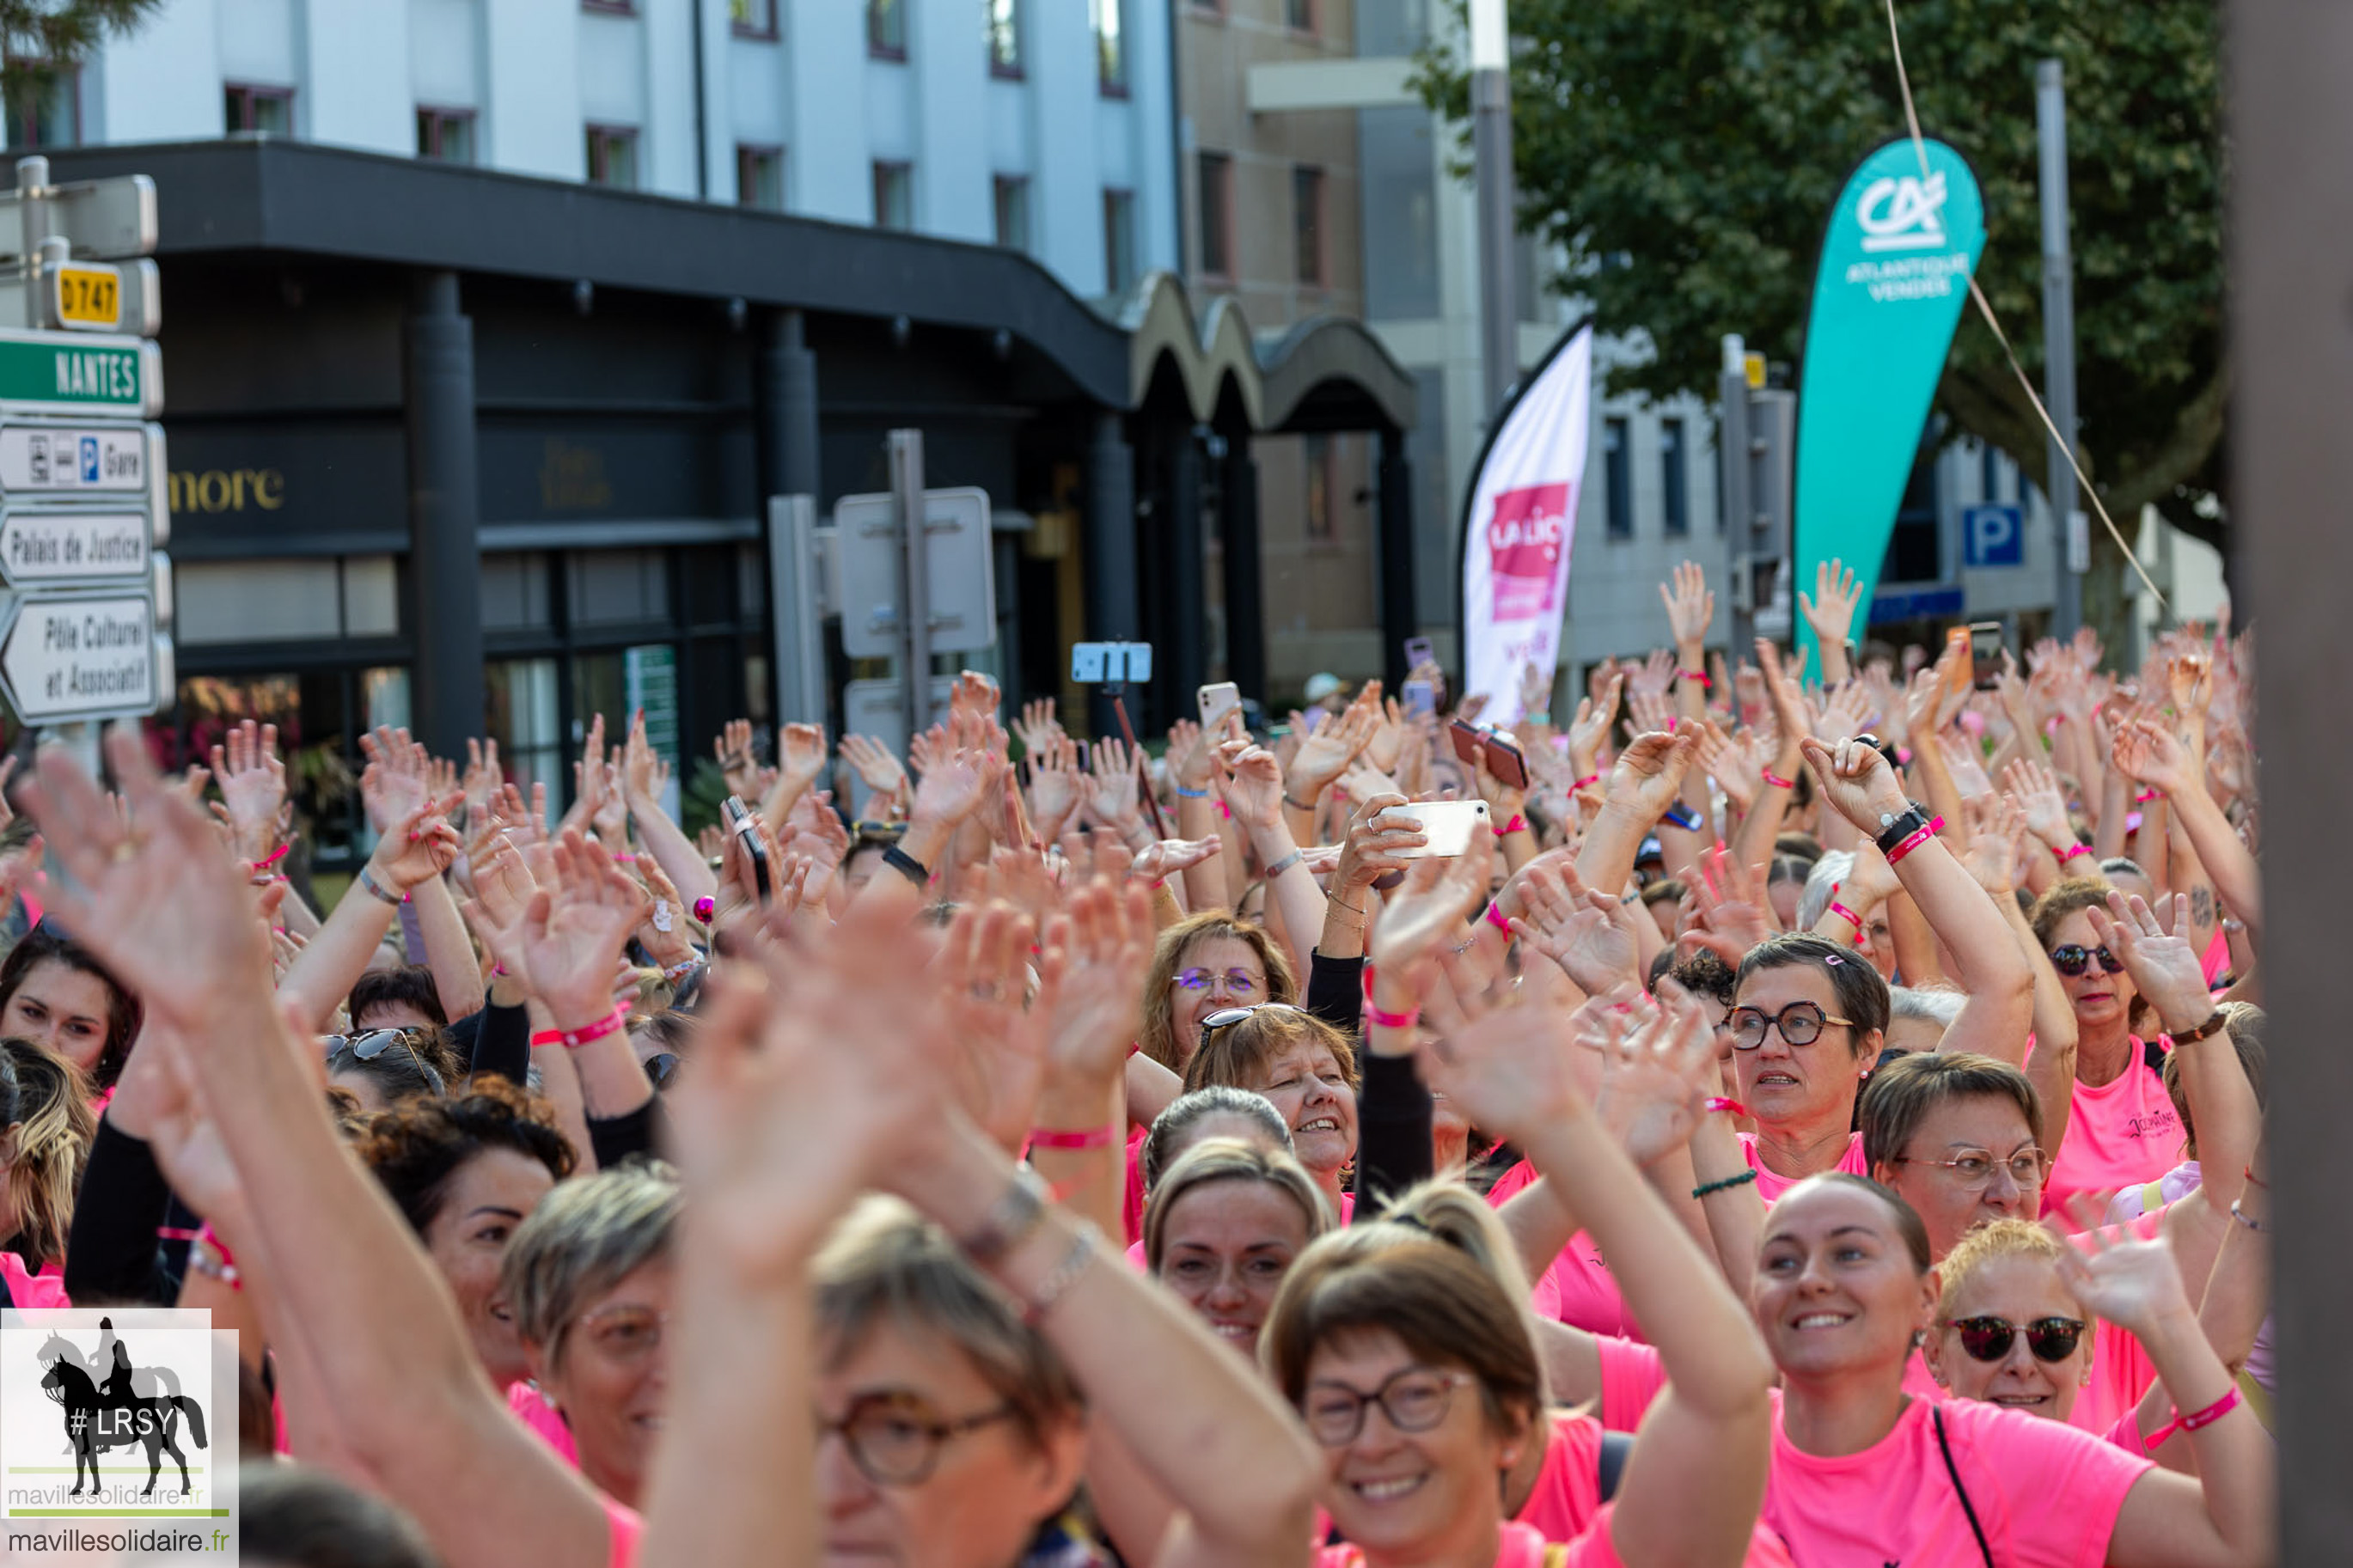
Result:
[
  {"x": 1903, "y": 827},
  {"x": 907, "y": 866}
]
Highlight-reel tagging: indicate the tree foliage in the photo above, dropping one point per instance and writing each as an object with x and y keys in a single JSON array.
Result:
[
  {"x": 41, "y": 41},
  {"x": 1687, "y": 156}
]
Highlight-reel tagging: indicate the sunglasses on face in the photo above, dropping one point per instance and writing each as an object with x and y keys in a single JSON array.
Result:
[
  {"x": 1801, "y": 1023},
  {"x": 1240, "y": 982},
  {"x": 2075, "y": 958},
  {"x": 1989, "y": 1339}
]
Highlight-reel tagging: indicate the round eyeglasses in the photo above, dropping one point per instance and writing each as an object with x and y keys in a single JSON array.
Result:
[
  {"x": 1801, "y": 1023},
  {"x": 1974, "y": 1168},
  {"x": 1414, "y": 1398},
  {"x": 894, "y": 1439},
  {"x": 2071, "y": 959}
]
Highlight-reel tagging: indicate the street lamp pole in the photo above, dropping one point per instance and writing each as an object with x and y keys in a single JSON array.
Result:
[
  {"x": 1490, "y": 145},
  {"x": 2059, "y": 346}
]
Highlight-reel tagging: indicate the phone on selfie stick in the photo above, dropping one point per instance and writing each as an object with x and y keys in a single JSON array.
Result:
[
  {"x": 1111, "y": 665},
  {"x": 746, "y": 827}
]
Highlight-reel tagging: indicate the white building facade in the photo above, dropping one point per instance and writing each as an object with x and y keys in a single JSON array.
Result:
[{"x": 1044, "y": 125}]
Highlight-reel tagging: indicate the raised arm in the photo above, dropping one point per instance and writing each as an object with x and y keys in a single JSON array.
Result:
[{"x": 2151, "y": 754}]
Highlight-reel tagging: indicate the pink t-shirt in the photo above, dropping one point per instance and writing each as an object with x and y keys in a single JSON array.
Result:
[
  {"x": 2045, "y": 1494},
  {"x": 627, "y": 1527},
  {"x": 531, "y": 1409},
  {"x": 1567, "y": 1491},
  {"x": 1770, "y": 1186},
  {"x": 30, "y": 1291},
  {"x": 2123, "y": 1134},
  {"x": 1521, "y": 1548},
  {"x": 2121, "y": 1373},
  {"x": 1132, "y": 1204},
  {"x": 1578, "y": 1288},
  {"x": 1631, "y": 1376}
]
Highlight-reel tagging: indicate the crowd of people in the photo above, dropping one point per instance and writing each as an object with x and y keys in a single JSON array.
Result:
[{"x": 1809, "y": 1121}]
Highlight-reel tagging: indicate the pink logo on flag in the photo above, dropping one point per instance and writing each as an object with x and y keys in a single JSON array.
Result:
[{"x": 1524, "y": 538}]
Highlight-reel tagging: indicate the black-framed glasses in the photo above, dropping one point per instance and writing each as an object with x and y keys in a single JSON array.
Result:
[
  {"x": 1414, "y": 1398},
  {"x": 370, "y": 1044},
  {"x": 2072, "y": 958},
  {"x": 1226, "y": 1017},
  {"x": 1240, "y": 982},
  {"x": 1974, "y": 1168},
  {"x": 1801, "y": 1023},
  {"x": 894, "y": 1439},
  {"x": 1989, "y": 1339}
]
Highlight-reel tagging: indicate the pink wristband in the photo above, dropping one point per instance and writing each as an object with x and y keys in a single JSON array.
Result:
[
  {"x": 1721, "y": 1102},
  {"x": 1847, "y": 915},
  {"x": 1498, "y": 919},
  {"x": 2194, "y": 1420},
  {"x": 1696, "y": 675},
  {"x": 274, "y": 857},
  {"x": 1517, "y": 825},
  {"x": 1917, "y": 839},
  {"x": 1386, "y": 1020},
  {"x": 2078, "y": 849},
  {"x": 572, "y": 1039},
  {"x": 1777, "y": 781},
  {"x": 1587, "y": 779},
  {"x": 1085, "y": 1138}
]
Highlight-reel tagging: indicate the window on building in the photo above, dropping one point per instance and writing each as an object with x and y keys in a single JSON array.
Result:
[
  {"x": 613, "y": 156},
  {"x": 51, "y": 118},
  {"x": 1004, "y": 37},
  {"x": 1307, "y": 222},
  {"x": 760, "y": 177},
  {"x": 1322, "y": 511},
  {"x": 1012, "y": 204},
  {"x": 1673, "y": 461},
  {"x": 886, "y": 29},
  {"x": 752, "y": 18},
  {"x": 1618, "y": 478},
  {"x": 1119, "y": 241},
  {"x": 611, "y": 7},
  {"x": 446, "y": 135},
  {"x": 1111, "y": 46},
  {"x": 270, "y": 109},
  {"x": 1217, "y": 196},
  {"x": 894, "y": 195},
  {"x": 1299, "y": 14}
]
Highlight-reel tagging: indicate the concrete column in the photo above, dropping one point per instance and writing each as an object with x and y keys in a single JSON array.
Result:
[
  {"x": 1111, "y": 602},
  {"x": 1399, "y": 620},
  {"x": 1187, "y": 663},
  {"x": 444, "y": 516},
  {"x": 1245, "y": 569},
  {"x": 786, "y": 434}
]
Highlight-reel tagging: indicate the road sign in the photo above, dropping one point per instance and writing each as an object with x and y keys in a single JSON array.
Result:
[
  {"x": 961, "y": 592},
  {"x": 108, "y": 461},
  {"x": 84, "y": 655},
  {"x": 46, "y": 372},
  {"x": 109, "y": 219},
  {"x": 89, "y": 297},
  {"x": 81, "y": 544},
  {"x": 1993, "y": 536}
]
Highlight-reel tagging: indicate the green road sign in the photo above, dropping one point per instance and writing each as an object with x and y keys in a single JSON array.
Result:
[{"x": 80, "y": 373}]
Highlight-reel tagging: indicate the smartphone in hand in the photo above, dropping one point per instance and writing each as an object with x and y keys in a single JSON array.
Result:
[
  {"x": 746, "y": 827},
  {"x": 1215, "y": 703},
  {"x": 1420, "y": 700},
  {"x": 1985, "y": 654},
  {"x": 1469, "y": 739},
  {"x": 1505, "y": 761},
  {"x": 1447, "y": 824}
]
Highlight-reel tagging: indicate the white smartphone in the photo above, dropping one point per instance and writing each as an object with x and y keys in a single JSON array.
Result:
[
  {"x": 1446, "y": 824},
  {"x": 1217, "y": 701}
]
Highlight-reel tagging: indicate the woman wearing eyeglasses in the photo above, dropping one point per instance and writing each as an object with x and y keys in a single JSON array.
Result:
[
  {"x": 1809, "y": 1016},
  {"x": 1866, "y": 1474},
  {"x": 1199, "y": 966}
]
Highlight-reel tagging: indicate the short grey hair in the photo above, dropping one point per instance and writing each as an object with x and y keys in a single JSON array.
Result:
[
  {"x": 1929, "y": 1006},
  {"x": 585, "y": 1237},
  {"x": 1821, "y": 883}
]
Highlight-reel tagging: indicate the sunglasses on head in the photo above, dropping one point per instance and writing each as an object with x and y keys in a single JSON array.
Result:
[
  {"x": 1225, "y": 1017},
  {"x": 370, "y": 1044},
  {"x": 1989, "y": 1339},
  {"x": 2073, "y": 958}
]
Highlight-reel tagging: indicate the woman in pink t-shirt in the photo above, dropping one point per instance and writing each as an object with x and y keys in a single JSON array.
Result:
[
  {"x": 2122, "y": 1130},
  {"x": 1305, "y": 1068},
  {"x": 1864, "y": 1474},
  {"x": 1224, "y": 1226}
]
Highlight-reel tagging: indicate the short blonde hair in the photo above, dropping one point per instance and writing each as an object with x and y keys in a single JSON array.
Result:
[
  {"x": 1231, "y": 1160},
  {"x": 2005, "y": 1238},
  {"x": 1158, "y": 1039}
]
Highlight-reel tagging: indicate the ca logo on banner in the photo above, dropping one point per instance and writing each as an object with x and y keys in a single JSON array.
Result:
[
  {"x": 1524, "y": 544},
  {"x": 1903, "y": 213}
]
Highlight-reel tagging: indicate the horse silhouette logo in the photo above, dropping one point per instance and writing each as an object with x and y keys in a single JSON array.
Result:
[{"x": 107, "y": 1402}]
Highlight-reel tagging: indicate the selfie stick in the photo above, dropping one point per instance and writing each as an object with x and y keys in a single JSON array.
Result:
[{"x": 1142, "y": 768}]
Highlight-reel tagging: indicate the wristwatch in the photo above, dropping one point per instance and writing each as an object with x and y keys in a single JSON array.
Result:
[{"x": 1895, "y": 826}]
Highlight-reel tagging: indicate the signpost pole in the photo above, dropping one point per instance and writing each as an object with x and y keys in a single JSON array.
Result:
[
  {"x": 2059, "y": 346},
  {"x": 1490, "y": 144},
  {"x": 915, "y": 587}
]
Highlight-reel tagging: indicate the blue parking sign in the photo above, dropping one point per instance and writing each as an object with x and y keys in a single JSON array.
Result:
[{"x": 1993, "y": 536}]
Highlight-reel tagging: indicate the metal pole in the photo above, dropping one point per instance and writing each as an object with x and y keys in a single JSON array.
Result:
[
  {"x": 914, "y": 575},
  {"x": 1739, "y": 519},
  {"x": 1490, "y": 144},
  {"x": 2290, "y": 261},
  {"x": 32, "y": 179},
  {"x": 2059, "y": 345},
  {"x": 444, "y": 517}
]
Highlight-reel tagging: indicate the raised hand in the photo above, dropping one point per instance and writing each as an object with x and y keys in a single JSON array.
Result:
[
  {"x": 1729, "y": 900},
  {"x": 1995, "y": 830},
  {"x": 1429, "y": 911},
  {"x": 1648, "y": 711},
  {"x": 1830, "y": 608},
  {"x": 252, "y": 785},
  {"x": 874, "y": 764},
  {"x": 2035, "y": 789},
  {"x": 951, "y": 784},
  {"x": 1655, "y": 675},
  {"x": 1535, "y": 696},
  {"x": 1326, "y": 755},
  {"x": 644, "y": 772},
  {"x": 1090, "y": 979},
  {"x": 1508, "y": 1070},
  {"x": 1577, "y": 928},
  {"x": 1114, "y": 792},
  {"x": 416, "y": 848},
  {"x": 1657, "y": 1075},
  {"x": 1057, "y": 786},
  {"x": 1167, "y": 857},
  {"x": 2136, "y": 1285},
  {"x": 481, "y": 779},
  {"x": 1371, "y": 849},
  {"x": 393, "y": 784},
  {"x": 976, "y": 694},
  {"x": 1857, "y": 783},
  {"x": 1791, "y": 719},
  {"x": 1733, "y": 764},
  {"x": 2150, "y": 754},
  {"x": 1037, "y": 728},
  {"x": 980, "y": 978},
  {"x": 1189, "y": 760},
  {"x": 1589, "y": 730},
  {"x": 1843, "y": 715},
  {"x": 575, "y": 931},
  {"x": 2159, "y": 954},
  {"x": 800, "y": 757},
  {"x": 503, "y": 886},
  {"x": 732, "y": 748},
  {"x": 1649, "y": 773},
  {"x": 1691, "y": 607},
  {"x": 1253, "y": 784}
]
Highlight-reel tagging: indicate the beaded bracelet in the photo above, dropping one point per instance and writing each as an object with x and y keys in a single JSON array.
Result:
[
  {"x": 2247, "y": 1219},
  {"x": 1728, "y": 1183},
  {"x": 1083, "y": 1248}
]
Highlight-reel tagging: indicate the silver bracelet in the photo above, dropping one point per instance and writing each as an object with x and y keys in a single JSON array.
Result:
[
  {"x": 370, "y": 884},
  {"x": 1083, "y": 1247},
  {"x": 1285, "y": 864}
]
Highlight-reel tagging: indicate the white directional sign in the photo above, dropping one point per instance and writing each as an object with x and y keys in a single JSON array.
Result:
[
  {"x": 113, "y": 219},
  {"x": 84, "y": 656},
  {"x": 961, "y": 579},
  {"x": 80, "y": 545},
  {"x": 81, "y": 460}
]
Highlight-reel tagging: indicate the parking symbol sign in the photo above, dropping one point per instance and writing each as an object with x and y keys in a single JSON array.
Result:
[
  {"x": 90, "y": 459},
  {"x": 1993, "y": 536}
]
